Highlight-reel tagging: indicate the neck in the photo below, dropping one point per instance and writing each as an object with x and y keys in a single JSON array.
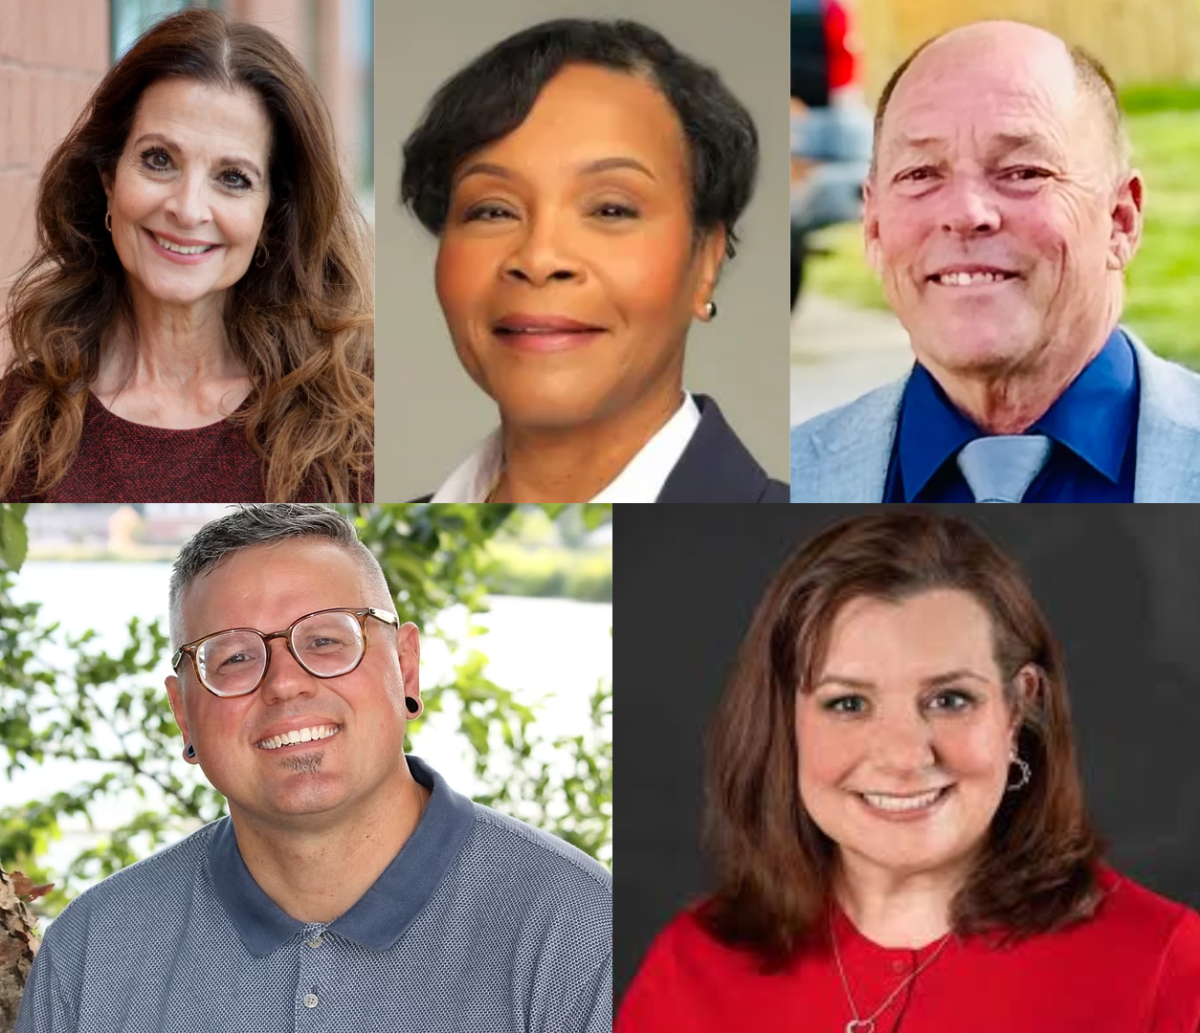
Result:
[
  {"x": 909, "y": 910},
  {"x": 317, "y": 867},
  {"x": 1010, "y": 400},
  {"x": 574, "y": 464}
]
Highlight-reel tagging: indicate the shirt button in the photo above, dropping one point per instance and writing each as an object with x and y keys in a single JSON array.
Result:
[
  {"x": 315, "y": 942},
  {"x": 310, "y": 1000}
]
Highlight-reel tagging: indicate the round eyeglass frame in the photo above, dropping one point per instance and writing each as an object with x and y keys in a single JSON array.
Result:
[{"x": 286, "y": 634}]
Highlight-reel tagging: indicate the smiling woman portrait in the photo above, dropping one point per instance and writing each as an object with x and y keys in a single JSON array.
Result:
[
  {"x": 197, "y": 321},
  {"x": 582, "y": 229},
  {"x": 896, "y": 818}
]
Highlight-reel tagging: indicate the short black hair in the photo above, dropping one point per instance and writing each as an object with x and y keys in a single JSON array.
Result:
[{"x": 494, "y": 94}]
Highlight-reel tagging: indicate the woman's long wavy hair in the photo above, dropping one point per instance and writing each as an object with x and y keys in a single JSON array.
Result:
[
  {"x": 302, "y": 324},
  {"x": 775, "y": 869}
]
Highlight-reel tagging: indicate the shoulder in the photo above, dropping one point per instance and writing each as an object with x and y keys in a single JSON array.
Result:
[
  {"x": 1165, "y": 384},
  {"x": 527, "y": 852},
  {"x": 874, "y": 410},
  {"x": 1136, "y": 915}
]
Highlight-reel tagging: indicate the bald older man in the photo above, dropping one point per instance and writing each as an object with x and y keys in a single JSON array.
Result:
[{"x": 1001, "y": 212}]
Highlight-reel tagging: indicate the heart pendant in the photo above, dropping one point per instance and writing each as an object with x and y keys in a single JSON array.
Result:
[{"x": 860, "y": 1026}]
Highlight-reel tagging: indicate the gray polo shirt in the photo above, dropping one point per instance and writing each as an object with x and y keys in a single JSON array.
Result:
[{"x": 481, "y": 923}]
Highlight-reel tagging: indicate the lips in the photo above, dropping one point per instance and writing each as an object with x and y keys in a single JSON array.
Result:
[
  {"x": 181, "y": 249},
  {"x": 971, "y": 275},
  {"x": 544, "y": 333},
  {"x": 904, "y": 805},
  {"x": 315, "y": 731}
]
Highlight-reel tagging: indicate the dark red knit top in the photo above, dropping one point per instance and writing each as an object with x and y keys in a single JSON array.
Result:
[{"x": 119, "y": 461}]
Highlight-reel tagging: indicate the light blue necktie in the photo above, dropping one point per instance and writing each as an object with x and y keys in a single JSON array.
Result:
[{"x": 1001, "y": 468}]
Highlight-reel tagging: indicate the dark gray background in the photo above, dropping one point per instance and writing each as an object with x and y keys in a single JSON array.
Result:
[{"x": 1120, "y": 586}]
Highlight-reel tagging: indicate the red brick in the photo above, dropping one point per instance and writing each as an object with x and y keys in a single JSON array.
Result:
[
  {"x": 96, "y": 36},
  {"x": 10, "y": 28}
]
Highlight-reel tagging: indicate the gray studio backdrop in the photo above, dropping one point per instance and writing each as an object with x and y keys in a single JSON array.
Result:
[{"x": 428, "y": 414}]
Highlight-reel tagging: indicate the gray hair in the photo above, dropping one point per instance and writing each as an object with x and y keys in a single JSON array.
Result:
[{"x": 248, "y": 526}]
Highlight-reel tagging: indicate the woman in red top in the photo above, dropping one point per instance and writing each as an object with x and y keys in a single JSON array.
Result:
[{"x": 897, "y": 820}]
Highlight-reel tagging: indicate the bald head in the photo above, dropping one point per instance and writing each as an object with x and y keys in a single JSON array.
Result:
[{"x": 1014, "y": 51}]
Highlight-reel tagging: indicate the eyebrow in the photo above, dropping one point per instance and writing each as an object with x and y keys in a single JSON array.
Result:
[
  {"x": 171, "y": 145},
  {"x": 591, "y": 168},
  {"x": 1005, "y": 141},
  {"x": 942, "y": 678}
]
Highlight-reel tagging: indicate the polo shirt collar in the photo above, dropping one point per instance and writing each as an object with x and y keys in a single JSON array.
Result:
[
  {"x": 1093, "y": 417},
  {"x": 383, "y": 914}
]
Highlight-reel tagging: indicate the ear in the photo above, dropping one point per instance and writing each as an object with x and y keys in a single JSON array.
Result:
[
  {"x": 408, "y": 646},
  {"x": 1126, "y": 221},
  {"x": 1027, "y": 691},
  {"x": 106, "y": 181},
  {"x": 175, "y": 695},
  {"x": 871, "y": 230},
  {"x": 710, "y": 256}
]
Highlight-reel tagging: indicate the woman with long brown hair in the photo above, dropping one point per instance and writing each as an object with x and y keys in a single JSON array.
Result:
[
  {"x": 897, "y": 820},
  {"x": 197, "y": 321}
]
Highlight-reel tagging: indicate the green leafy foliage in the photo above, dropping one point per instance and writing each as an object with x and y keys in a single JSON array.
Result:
[{"x": 105, "y": 711}]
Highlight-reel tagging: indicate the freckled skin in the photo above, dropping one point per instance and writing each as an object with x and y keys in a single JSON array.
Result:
[
  {"x": 1055, "y": 210},
  {"x": 190, "y": 192},
  {"x": 551, "y": 246},
  {"x": 906, "y": 737}
]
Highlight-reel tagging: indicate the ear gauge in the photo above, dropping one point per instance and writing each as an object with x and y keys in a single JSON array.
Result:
[{"x": 414, "y": 706}]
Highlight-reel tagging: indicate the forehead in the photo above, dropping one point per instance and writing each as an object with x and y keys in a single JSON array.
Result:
[
  {"x": 586, "y": 113},
  {"x": 269, "y": 586},
  {"x": 991, "y": 95},
  {"x": 199, "y": 116}
]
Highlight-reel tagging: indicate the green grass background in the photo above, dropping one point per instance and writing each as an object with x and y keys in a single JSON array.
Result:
[{"x": 1162, "y": 302}]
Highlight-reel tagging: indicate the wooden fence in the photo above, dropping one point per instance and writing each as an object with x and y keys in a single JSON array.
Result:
[{"x": 1139, "y": 41}]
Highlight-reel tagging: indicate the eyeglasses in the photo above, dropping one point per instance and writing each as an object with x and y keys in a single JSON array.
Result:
[{"x": 326, "y": 644}]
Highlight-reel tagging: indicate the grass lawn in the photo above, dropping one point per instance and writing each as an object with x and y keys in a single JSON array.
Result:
[{"x": 1162, "y": 303}]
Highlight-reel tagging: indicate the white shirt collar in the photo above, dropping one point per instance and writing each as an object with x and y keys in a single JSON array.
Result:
[{"x": 642, "y": 479}]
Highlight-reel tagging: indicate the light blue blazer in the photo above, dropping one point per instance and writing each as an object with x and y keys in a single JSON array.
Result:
[{"x": 843, "y": 455}]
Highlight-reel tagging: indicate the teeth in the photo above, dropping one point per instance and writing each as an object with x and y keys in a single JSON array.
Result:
[
  {"x": 180, "y": 250},
  {"x": 298, "y": 735},
  {"x": 886, "y": 802},
  {"x": 966, "y": 279}
]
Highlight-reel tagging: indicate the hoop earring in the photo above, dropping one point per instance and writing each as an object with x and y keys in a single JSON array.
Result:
[
  {"x": 1024, "y": 768},
  {"x": 710, "y": 310},
  {"x": 108, "y": 221},
  {"x": 262, "y": 256},
  {"x": 414, "y": 707}
]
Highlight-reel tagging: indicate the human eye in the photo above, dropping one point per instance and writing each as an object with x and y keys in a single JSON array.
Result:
[
  {"x": 156, "y": 159},
  {"x": 1025, "y": 174},
  {"x": 849, "y": 704},
  {"x": 950, "y": 700},
  {"x": 921, "y": 174},
  {"x": 488, "y": 211},
  {"x": 614, "y": 211},
  {"x": 235, "y": 179}
]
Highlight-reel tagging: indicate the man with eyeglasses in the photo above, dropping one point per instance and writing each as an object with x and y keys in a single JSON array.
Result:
[{"x": 350, "y": 888}]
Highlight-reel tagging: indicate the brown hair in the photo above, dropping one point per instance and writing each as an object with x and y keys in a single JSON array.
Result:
[
  {"x": 1091, "y": 75},
  {"x": 774, "y": 867},
  {"x": 302, "y": 324}
]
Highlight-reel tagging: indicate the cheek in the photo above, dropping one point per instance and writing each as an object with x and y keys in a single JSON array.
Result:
[{"x": 462, "y": 276}]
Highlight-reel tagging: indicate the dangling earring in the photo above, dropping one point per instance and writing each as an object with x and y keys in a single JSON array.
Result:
[
  {"x": 262, "y": 256},
  {"x": 1025, "y": 769},
  {"x": 710, "y": 310},
  {"x": 108, "y": 221},
  {"x": 414, "y": 707}
]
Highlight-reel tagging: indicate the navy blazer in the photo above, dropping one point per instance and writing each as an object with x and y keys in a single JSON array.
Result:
[{"x": 715, "y": 466}]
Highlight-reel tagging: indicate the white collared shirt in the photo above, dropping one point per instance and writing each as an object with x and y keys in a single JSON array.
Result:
[{"x": 642, "y": 479}]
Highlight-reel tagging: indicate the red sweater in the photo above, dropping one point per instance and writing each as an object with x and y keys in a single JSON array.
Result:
[
  {"x": 1133, "y": 968},
  {"x": 119, "y": 461}
]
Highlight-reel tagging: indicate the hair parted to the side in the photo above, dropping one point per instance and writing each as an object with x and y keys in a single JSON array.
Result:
[
  {"x": 494, "y": 94},
  {"x": 774, "y": 867},
  {"x": 302, "y": 323},
  {"x": 249, "y": 526}
]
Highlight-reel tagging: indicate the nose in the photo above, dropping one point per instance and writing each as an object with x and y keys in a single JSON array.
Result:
[
  {"x": 188, "y": 202},
  {"x": 285, "y": 679},
  {"x": 542, "y": 254},
  {"x": 902, "y": 745},
  {"x": 970, "y": 208}
]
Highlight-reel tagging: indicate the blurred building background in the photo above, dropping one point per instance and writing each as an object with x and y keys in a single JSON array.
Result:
[{"x": 53, "y": 53}]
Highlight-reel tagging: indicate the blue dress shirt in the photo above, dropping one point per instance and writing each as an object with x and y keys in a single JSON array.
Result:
[
  {"x": 480, "y": 924},
  {"x": 1092, "y": 424}
]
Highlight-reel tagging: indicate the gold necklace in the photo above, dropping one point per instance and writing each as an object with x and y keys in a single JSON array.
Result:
[{"x": 867, "y": 1025}]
